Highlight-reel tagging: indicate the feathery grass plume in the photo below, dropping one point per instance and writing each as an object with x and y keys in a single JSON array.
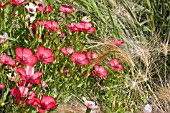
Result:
[
  {"x": 166, "y": 47},
  {"x": 106, "y": 47},
  {"x": 162, "y": 105}
]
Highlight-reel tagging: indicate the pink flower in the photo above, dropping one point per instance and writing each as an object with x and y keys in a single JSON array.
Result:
[
  {"x": 19, "y": 93},
  {"x": 115, "y": 64},
  {"x": 18, "y": 2},
  {"x": 46, "y": 103},
  {"x": 29, "y": 74},
  {"x": 4, "y": 4},
  {"x": 44, "y": 84},
  {"x": 118, "y": 42},
  {"x": 2, "y": 86},
  {"x": 51, "y": 26},
  {"x": 66, "y": 9},
  {"x": 100, "y": 71},
  {"x": 45, "y": 55},
  {"x": 66, "y": 50},
  {"x": 79, "y": 59},
  {"x": 7, "y": 60},
  {"x": 25, "y": 56}
]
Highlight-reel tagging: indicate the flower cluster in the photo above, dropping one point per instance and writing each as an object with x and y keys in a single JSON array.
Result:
[
  {"x": 50, "y": 25},
  {"x": 29, "y": 77},
  {"x": 82, "y": 27}
]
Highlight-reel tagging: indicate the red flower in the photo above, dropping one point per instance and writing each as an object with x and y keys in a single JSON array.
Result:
[
  {"x": 40, "y": 23},
  {"x": 67, "y": 51},
  {"x": 19, "y": 93},
  {"x": 32, "y": 27},
  {"x": 81, "y": 27},
  {"x": 18, "y": 2},
  {"x": 25, "y": 56},
  {"x": 66, "y": 9},
  {"x": 100, "y": 71},
  {"x": 40, "y": 8},
  {"x": 4, "y": 4},
  {"x": 115, "y": 64},
  {"x": 51, "y": 26},
  {"x": 48, "y": 9},
  {"x": 2, "y": 86},
  {"x": 46, "y": 103},
  {"x": 118, "y": 42},
  {"x": 5, "y": 59},
  {"x": 91, "y": 30},
  {"x": 45, "y": 54},
  {"x": 73, "y": 27},
  {"x": 29, "y": 75},
  {"x": 79, "y": 59},
  {"x": 33, "y": 99}
]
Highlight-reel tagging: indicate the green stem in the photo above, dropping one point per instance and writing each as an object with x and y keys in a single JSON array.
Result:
[{"x": 88, "y": 110}]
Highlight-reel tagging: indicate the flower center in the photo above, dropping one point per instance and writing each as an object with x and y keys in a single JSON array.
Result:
[{"x": 43, "y": 106}]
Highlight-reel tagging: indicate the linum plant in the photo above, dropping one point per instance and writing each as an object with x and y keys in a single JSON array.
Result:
[{"x": 41, "y": 60}]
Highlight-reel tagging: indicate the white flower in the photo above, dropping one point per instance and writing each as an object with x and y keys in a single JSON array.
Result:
[
  {"x": 90, "y": 104},
  {"x": 148, "y": 108},
  {"x": 86, "y": 19},
  {"x": 27, "y": 16},
  {"x": 3, "y": 37},
  {"x": 32, "y": 19},
  {"x": 31, "y": 8}
]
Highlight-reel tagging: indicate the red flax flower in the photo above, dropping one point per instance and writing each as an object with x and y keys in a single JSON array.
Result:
[
  {"x": 66, "y": 50},
  {"x": 4, "y": 4},
  {"x": 118, "y": 42},
  {"x": 18, "y": 2},
  {"x": 33, "y": 99},
  {"x": 46, "y": 103},
  {"x": 19, "y": 93},
  {"x": 115, "y": 64},
  {"x": 66, "y": 9},
  {"x": 100, "y": 71},
  {"x": 45, "y": 55},
  {"x": 29, "y": 74},
  {"x": 5, "y": 59},
  {"x": 82, "y": 27},
  {"x": 51, "y": 26},
  {"x": 25, "y": 56},
  {"x": 79, "y": 59},
  {"x": 48, "y": 9}
]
